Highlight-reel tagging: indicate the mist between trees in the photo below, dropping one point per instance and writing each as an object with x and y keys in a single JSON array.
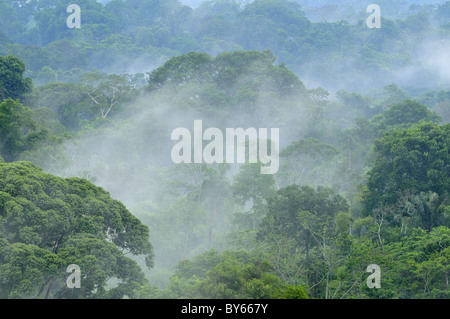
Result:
[{"x": 87, "y": 177}]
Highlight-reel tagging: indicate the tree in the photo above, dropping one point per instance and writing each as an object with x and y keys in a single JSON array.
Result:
[
  {"x": 107, "y": 92},
  {"x": 55, "y": 222},
  {"x": 24, "y": 269},
  {"x": 392, "y": 94},
  {"x": 421, "y": 264},
  {"x": 422, "y": 210},
  {"x": 443, "y": 110},
  {"x": 179, "y": 70},
  {"x": 303, "y": 157},
  {"x": 355, "y": 101},
  {"x": 12, "y": 83},
  {"x": 251, "y": 189},
  {"x": 229, "y": 275},
  {"x": 409, "y": 159},
  {"x": 332, "y": 245},
  {"x": 214, "y": 191},
  {"x": 406, "y": 113},
  {"x": 70, "y": 104},
  {"x": 9, "y": 21},
  {"x": 289, "y": 201},
  {"x": 18, "y": 132},
  {"x": 226, "y": 71},
  {"x": 191, "y": 210},
  {"x": 97, "y": 22}
]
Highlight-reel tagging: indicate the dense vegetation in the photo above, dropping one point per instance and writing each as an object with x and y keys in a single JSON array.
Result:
[
  {"x": 48, "y": 223},
  {"x": 364, "y": 172},
  {"x": 136, "y": 35}
]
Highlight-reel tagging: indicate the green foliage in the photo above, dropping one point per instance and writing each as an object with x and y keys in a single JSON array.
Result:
[
  {"x": 337, "y": 205},
  {"x": 97, "y": 22},
  {"x": 250, "y": 186},
  {"x": 18, "y": 131},
  {"x": 241, "y": 82},
  {"x": 157, "y": 30},
  {"x": 229, "y": 275},
  {"x": 56, "y": 222},
  {"x": 294, "y": 292},
  {"x": 9, "y": 21},
  {"x": 24, "y": 269},
  {"x": 409, "y": 159},
  {"x": 284, "y": 207},
  {"x": 226, "y": 72},
  {"x": 67, "y": 100},
  {"x": 12, "y": 83},
  {"x": 342, "y": 221},
  {"x": 403, "y": 114},
  {"x": 304, "y": 161},
  {"x": 421, "y": 264},
  {"x": 180, "y": 70}
]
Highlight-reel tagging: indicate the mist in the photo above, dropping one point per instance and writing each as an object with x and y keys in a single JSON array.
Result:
[
  {"x": 130, "y": 157},
  {"x": 312, "y": 69}
]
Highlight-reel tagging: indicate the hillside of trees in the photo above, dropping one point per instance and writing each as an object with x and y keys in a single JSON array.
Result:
[{"x": 86, "y": 175}]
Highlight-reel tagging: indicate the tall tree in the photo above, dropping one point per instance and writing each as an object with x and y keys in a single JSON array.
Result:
[
  {"x": 12, "y": 83},
  {"x": 18, "y": 132},
  {"x": 54, "y": 222},
  {"x": 409, "y": 159}
]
